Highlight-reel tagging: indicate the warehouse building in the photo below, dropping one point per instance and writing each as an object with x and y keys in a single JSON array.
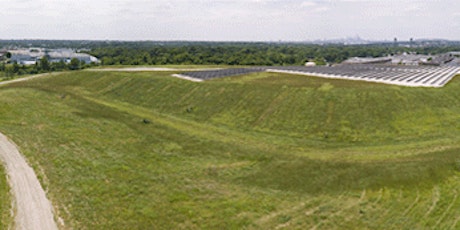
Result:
[
  {"x": 407, "y": 59},
  {"x": 32, "y": 56}
]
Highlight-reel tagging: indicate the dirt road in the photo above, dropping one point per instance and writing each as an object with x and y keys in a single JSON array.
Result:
[
  {"x": 32, "y": 209},
  {"x": 28, "y": 78}
]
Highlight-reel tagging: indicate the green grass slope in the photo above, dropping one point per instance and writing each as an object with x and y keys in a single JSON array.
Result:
[
  {"x": 5, "y": 216},
  {"x": 258, "y": 151}
]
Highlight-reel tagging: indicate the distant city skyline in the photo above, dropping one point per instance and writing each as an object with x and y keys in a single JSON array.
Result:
[{"x": 225, "y": 20}]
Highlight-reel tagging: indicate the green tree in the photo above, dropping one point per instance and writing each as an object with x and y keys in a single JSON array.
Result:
[
  {"x": 9, "y": 73},
  {"x": 74, "y": 64},
  {"x": 107, "y": 61},
  {"x": 319, "y": 61},
  {"x": 15, "y": 68},
  {"x": 44, "y": 63},
  {"x": 59, "y": 65}
]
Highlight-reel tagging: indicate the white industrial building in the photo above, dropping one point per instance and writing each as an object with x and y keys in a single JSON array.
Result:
[
  {"x": 408, "y": 59},
  {"x": 32, "y": 56}
]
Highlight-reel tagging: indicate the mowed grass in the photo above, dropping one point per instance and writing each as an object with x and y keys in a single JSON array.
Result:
[
  {"x": 168, "y": 66},
  {"x": 5, "y": 202},
  {"x": 258, "y": 151}
]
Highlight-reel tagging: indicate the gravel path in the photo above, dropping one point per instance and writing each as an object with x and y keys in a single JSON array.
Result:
[
  {"x": 32, "y": 209},
  {"x": 28, "y": 78}
]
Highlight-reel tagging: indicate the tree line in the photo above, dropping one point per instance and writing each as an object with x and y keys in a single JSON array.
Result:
[
  {"x": 266, "y": 54},
  {"x": 233, "y": 54},
  {"x": 211, "y": 53}
]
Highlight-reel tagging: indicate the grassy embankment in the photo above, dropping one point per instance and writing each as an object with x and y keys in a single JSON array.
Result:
[
  {"x": 167, "y": 66},
  {"x": 259, "y": 151},
  {"x": 3, "y": 77},
  {"x": 5, "y": 202}
]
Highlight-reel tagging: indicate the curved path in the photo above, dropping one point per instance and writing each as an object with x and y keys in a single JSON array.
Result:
[
  {"x": 28, "y": 78},
  {"x": 33, "y": 210}
]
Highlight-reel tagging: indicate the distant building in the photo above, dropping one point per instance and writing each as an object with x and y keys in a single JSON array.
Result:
[
  {"x": 455, "y": 53},
  {"x": 25, "y": 57},
  {"x": 68, "y": 55},
  {"x": 410, "y": 59},
  {"x": 310, "y": 64},
  {"x": 2, "y": 55},
  {"x": 32, "y": 56},
  {"x": 438, "y": 60},
  {"x": 367, "y": 60}
]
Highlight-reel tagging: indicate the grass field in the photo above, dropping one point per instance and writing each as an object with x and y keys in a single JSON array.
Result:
[
  {"x": 259, "y": 151},
  {"x": 168, "y": 66},
  {"x": 3, "y": 77},
  {"x": 5, "y": 202}
]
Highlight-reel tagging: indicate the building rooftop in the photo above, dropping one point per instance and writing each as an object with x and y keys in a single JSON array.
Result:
[
  {"x": 367, "y": 60},
  {"x": 405, "y": 59},
  {"x": 28, "y": 56}
]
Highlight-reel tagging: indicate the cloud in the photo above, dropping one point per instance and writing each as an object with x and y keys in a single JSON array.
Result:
[
  {"x": 416, "y": 7},
  {"x": 315, "y": 7},
  {"x": 228, "y": 19},
  {"x": 352, "y": 0},
  {"x": 308, "y": 4},
  {"x": 321, "y": 9}
]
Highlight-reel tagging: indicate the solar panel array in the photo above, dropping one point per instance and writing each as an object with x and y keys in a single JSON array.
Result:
[
  {"x": 210, "y": 74},
  {"x": 425, "y": 76}
]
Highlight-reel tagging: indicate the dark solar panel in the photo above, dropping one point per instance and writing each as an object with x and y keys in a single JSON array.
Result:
[{"x": 210, "y": 74}]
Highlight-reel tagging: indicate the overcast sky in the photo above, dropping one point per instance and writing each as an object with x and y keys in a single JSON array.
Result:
[{"x": 229, "y": 20}]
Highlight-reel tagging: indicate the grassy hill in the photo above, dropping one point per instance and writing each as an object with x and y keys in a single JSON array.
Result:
[
  {"x": 266, "y": 150},
  {"x": 5, "y": 202}
]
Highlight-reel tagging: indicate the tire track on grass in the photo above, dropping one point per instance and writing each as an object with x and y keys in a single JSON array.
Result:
[
  {"x": 446, "y": 211},
  {"x": 33, "y": 211},
  {"x": 265, "y": 219},
  {"x": 436, "y": 195},
  {"x": 379, "y": 197},
  {"x": 412, "y": 206},
  {"x": 342, "y": 210},
  {"x": 455, "y": 223}
]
